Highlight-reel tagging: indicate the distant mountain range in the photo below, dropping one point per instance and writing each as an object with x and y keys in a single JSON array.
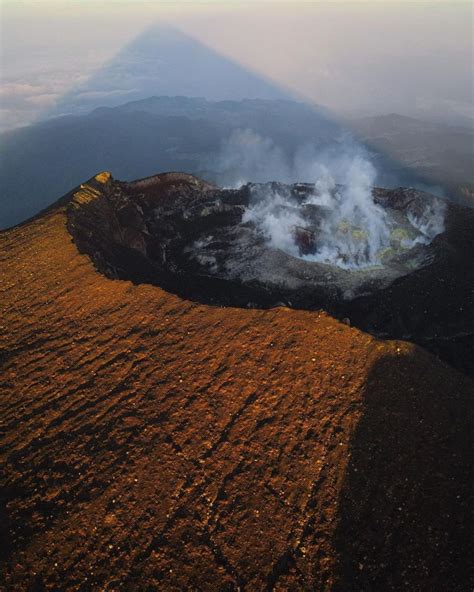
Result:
[{"x": 39, "y": 163}]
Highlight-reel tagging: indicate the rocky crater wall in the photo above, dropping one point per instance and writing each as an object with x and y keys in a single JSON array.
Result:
[{"x": 190, "y": 237}]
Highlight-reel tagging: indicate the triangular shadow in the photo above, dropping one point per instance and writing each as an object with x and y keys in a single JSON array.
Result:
[{"x": 165, "y": 61}]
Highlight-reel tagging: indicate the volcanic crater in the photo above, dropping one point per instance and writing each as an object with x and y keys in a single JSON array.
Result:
[{"x": 198, "y": 240}]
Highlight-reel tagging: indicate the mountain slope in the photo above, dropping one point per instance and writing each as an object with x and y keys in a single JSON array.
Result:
[{"x": 149, "y": 442}]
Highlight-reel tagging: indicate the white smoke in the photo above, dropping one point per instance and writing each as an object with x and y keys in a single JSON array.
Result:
[
  {"x": 356, "y": 229},
  {"x": 429, "y": 223},
  {"x": 353, "y": 231},
  {"x": 270, "y": 213},
  {"x": 247, "y": 156}
]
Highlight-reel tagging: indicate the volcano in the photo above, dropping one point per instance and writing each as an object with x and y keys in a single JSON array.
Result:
[{"x": 182, "y": 409}]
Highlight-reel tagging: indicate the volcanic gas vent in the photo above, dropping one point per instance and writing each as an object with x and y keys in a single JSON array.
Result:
[
  {"x": 343, "y": 226},
  {"x": 397, "y": 262}
]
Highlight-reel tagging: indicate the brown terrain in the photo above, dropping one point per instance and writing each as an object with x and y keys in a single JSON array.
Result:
[{"x": 150, "y": 442}]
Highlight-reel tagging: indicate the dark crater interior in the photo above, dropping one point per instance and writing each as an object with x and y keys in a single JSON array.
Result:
[{"x": 193, "y": 238}]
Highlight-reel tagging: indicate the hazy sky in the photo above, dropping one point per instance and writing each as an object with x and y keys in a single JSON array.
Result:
[{"x": 352, "y": 57}]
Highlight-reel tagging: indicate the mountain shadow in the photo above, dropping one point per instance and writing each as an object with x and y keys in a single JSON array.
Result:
[
  {"x": 406, "y": 506},
  {"x": 165, "y": 61}
]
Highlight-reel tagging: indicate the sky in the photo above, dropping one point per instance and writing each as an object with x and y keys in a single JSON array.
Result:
[{"x": 354, "y": 58}]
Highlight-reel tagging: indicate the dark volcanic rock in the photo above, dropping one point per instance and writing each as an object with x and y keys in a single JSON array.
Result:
[{"x": 192, "y": 238}]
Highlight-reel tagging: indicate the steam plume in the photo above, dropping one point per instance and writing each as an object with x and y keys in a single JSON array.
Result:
[{"x": 351, "y": 230}]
